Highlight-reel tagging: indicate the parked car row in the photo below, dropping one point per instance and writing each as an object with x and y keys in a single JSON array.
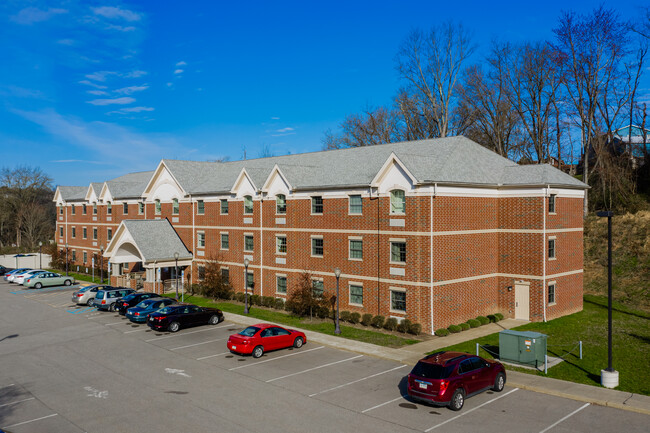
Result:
[{"x": 37, "y": 278}]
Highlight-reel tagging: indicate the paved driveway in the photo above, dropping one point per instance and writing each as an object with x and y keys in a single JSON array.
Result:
[{"x": 69, "y": 368}]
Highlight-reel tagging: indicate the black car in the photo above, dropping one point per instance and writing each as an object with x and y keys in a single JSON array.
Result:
[
  {"x": 174, "y": 317},
  {"x": 132, "y": 300},
  {"x": 3, "y": 270}
]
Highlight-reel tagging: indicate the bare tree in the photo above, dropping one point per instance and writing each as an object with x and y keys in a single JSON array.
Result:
[{"x": 373, "y": 126}]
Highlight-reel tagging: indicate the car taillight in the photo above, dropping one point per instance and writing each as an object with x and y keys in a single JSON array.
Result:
[
  {"x": 29, "y": 280},
  {"x": 79, "y": 295},
  {"x": 136, "y": 314},
  {"x": 103, "y": 301},
  {"x": 443, "y": 386}
]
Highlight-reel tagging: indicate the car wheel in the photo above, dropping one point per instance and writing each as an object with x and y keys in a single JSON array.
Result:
[
  {"x": 112, "y": 308},
  {"x": 258, "y": 352},
  {"x": 297, "y": 343},
  {"x": 457, "y": 400},
  {"x": 499, "y": 382},
  {"x": 174, "y": 327},
  {"x": 91, "y": 302},
  {"x": 214, "y": 319},
  {"x": 68, "y": 283},
  {"x": 38, "y": 285}
]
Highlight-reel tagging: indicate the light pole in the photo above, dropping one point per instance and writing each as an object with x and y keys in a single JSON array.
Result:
[
  {"x": 66, "y": 259},
  {"x": 337, "y": 272},
  {"x": 101, "y": 264},
  {"x": 609, "y": 376},
  {"x": 176, "y": 274},
  {"x": 246, "y": 262},
  {"x": 40, "y": 255}
]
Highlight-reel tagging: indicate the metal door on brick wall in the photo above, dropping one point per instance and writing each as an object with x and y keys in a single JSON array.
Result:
[{"x": 522, "y": 301}]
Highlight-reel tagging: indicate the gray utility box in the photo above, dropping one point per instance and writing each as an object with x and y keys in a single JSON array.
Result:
[{"x": 522, "y": 347}]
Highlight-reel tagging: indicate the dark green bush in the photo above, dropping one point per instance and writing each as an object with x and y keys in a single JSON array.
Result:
[
  {"x": 344, "y": 316},
  {"x": 484, "y": 320},
  {"x": 278, "y": 304},
  {"x": 391, "y": 324},
  {"x": 268, "y": 301},
  {"x": 255, "y": 299},
  {"x": 404, "y": 326},
  {"x": 454, "y": 329},
  {"x": 366, "y": 319},
  {"x": 442, "y": 332},
  {"x": 415, "y": 329},
  {"x": 493, "y": 318},
  {"x": 239, "y": 297},
  {"x": 321, "y": 312},
  {"x": 464, "y": 326},
  {"x": 355, "y": 318},
  {"x": 499, "y": 316},
  {"x": 473, "y": 323},
  {"x": 378, "y": 321}
]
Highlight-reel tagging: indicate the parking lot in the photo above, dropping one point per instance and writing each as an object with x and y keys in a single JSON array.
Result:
[{"x": 70, "y": 368}]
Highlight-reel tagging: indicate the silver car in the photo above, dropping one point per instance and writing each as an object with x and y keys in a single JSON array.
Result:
[
  {"x": 105, "y": 298},
  {"x": 86, "y": 295}
]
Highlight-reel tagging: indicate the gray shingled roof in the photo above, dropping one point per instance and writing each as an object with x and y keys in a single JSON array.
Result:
[
  {"x": 157, "y": 240},
  {"x": 452, "y": 160},
  {"x": 97, "y": 187},
  {"x": 130, "y": 185},
  {"x": 73, "y": 193}
]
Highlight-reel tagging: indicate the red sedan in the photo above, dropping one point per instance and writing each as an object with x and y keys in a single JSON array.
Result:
[{"x": 264, "y": 337}]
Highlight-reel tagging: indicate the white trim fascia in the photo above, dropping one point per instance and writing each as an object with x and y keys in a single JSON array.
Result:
[
  {"x": 154, "y": 177},
  {"x": 392, "y": 159},
  {"x": 242, "y": 174},
  {"x": 267, "y": 182}
]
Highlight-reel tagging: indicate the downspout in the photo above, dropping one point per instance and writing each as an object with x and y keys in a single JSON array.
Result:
[
  {"x": 193, "y": 236},
  {"x": 544, "y": 252},
  {"x": 261, "y": 243},
  {"x": 435, "y": 193},
  {"x": 378, "y": 255}
]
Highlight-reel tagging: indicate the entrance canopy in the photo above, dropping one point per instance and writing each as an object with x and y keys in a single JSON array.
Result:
[{"x": 151, "y": 242}]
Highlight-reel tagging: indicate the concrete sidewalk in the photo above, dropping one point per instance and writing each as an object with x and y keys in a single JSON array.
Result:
[{"x": 411, "y": 354}]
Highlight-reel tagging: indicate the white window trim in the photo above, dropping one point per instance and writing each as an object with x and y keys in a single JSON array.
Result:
[
  {"x": 311, "y": 205},
  {"x": 73, "y": 231},
  {"x": 280, "y": 235},
  {"x": 221, "y": 243},
  {"x": 391, "y": 290},
  {"x": 554, "y": 194},
  {"x": 355, "y": 238},
  {"x": 198, "y": 239},
  {"x": 350, "y": 205},
  {"x": 252, "y": 212},
  {"x": 554, "y": 239},
  {"x": 354, "y": 283},
  {"x": 197, "y": 207},
  {"x": 311, "y": 246},
  {"x": 551, "y": 283},
  {"x": 276, "y": 285},
  {"x": 285, "y": 204},
  {"x": 221, "y": 208},
  {"x": 253, "y": 236},
  {"x": 390, "y": 202},
  {"x": 390, "y": 251},
  {"x": 84, "y": 232}
]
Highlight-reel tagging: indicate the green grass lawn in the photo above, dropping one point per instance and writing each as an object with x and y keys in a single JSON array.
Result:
[
  {"x": 631, "y": 345},
  {"x": 327, "y": 327}
]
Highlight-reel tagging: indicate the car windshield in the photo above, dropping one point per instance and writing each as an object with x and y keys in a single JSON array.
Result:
[
  {"x": 85, "y": 289},
  {"x": 166, "y": 310},
  {"x": 146, "y": 303},
  {"x": 250, "y": 331},
  {"x": 431, "y": 371},
  {"x": 129, "y": 297}
]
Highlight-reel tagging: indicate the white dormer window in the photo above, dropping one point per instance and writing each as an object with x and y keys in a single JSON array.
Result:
[
  {"x": 281, "y": 204},
  {"x": 109, "y": 208},
  {"x": 157, "y": 207},
  {"x": 248, "y": 204},
  {"x": 94, "y": 208},
  {"x": 397, "y": 201},
  {"x": 175, "y": 206}
]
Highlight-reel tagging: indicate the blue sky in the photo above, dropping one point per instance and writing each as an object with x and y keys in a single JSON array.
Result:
[{"x": 92, "y": 90}]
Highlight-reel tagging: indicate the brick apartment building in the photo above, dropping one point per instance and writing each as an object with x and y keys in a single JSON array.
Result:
[{"x": 438, "y": 231}]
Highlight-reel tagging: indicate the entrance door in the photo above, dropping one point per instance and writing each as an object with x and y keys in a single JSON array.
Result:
[{"x": 522, "y": 301}]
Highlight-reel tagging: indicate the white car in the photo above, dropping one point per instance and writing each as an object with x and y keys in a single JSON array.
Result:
[
  {"x": 12, "y": 276},
  {"x": 20, "y": 279}
]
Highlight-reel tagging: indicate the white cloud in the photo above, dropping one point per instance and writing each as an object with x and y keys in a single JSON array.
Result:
[
  {"x": 285, "y": 130},
  {"x": 120, "y": 28},
  {"x": 100, "y": 75},
  {"x": 33, "y": 15},
  {"x": 135, "y": 74},
  {"x": 65, "y": 161},
  {"x": 116, "y": 12},
  {"x": 178, "y": 71},
  {"x": 66, "y": 42},
  {"x": 181, "y": 63},
  {"x": 117, "y": 101},
  {"x": 97, "y": 92},
  {"x": 130, "y": 90},
  {"x": 90, "y": 83},
  {"x": 131, "y": 110},
  {"x": 275, "y": 118}
]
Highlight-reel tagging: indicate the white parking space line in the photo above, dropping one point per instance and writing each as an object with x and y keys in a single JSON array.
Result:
[
  {"x": 358, "y": 380},
  {"x": 212, "y": 356},
  {"x": 384, "y": 404},
  {"x": 470, "y": 411},
  {"x": 274, "y": 359},
  {"x": 31, "y": 420},
  {"x": 7, "y": 386},
  {"x": 198, "y": 344},
  {"x": 114, "y": 323},
  {"x": 566, "y": 417},
  {"x": 186, "y": 333},
  {"x": 16, "y": 402},
  {"x": 314, "y": 368},
  {"x": 137, "y": 330}
]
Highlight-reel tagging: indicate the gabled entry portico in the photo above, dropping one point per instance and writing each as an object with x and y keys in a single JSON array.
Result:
[{"x": 152, "y": 243}]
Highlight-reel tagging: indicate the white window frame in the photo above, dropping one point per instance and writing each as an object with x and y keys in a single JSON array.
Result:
[
  {"x": 200, "y": 239},
  {"x": 277, "y": 244},
  {"x": 350, "y": 205},
  {"x": 350, "y": 240},
  {"x": 355, "y": 284},
  {"x": 394, "y": 241},
  {"x": 73, "y": 232},
  {"x": 286, "y": 282},
  {"x": 311, "y": 246},
  {"x": 397, "y": 290},
  {"x": 95, "y": 233},
  {"x": 109, "y": 208},
  {"x": 548, "y": 248},
  {"x": 548, "y": 292},
  {"x": 84, "y": 232},
  {"x": 157, "y": 207},
  {"x": 125, "y": 208},
  {"x": 322, "y": 205},
  {"x": 141, "y": 207},
  {"x": 552, "y": 204},
  {"x": 221, "y": 204},
  {"x": 252, "y": 205},
  {"x": 403, "y": 212},
  {"x": 199, "y": 204},
  {"x": 221, "y": 240},
  {"x": 198, "y": 272},
  {"x": 176, "y": 207},
  {"x": 252, "y": 236},
  {"x": 277, "y": 204},
  {"x": 319, "y": 280},
  {"x": 109, "y": 234}
]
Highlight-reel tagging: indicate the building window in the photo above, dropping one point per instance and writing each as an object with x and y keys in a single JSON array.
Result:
[
  {"x": 109, "y": 234},
  {"x": 250, "y": 280},
  {"x": 551, "y": 293},
  {"x": 280, "y": 204},
  {"x": 398, "y": 252},
  {"x": 201, "y": 272},
  {"x": 175, "y": 206},
  {"x": 94, "y": 208},
  {"x": 125, "y": 208},
  {"x": 281, "y": 284},
  {"x": 158, "y": 208},
  {"x": 74, "y": 255},
  {"x": 73, "y": 209},
  {"x": 200, "y": 207},
  {"x": 61, "y": 210},
  {"x": 224, "y": 207},
  {"x": 109, "y": 208},
  {"x": 248, "y": 204},
  {"x": 225, "y": 241},
  {"x": 397, "y": 201},
  {"x": 200, "y": 239},
  {"x": 398, "y": 301},
  {"x": 85, "y": 257},
  {"x": 317, "y": 205},
  {"x": 225, "y": 275},
  {"x": 356, "y": 294},
  {"x": 356, "y": 249},
  {"x": 318, "y": 288},
  {"x": 281, "y": 244},
  {"x": 95, "y": 233},
  {"x": 84, "y": 209},
  {"x": 249, "y": 243},
  {"x": 74, "y": 232},
  {"x": 551, "y": 203},
  {"x": 356, "y": 206},
  {"x": 61, "y": 231},
  {"x": 141, "y": 208},
  {"x": 551, "y": 248},
  {"x": 317, "y": 247},
  {"x": 85, "y": 233}
]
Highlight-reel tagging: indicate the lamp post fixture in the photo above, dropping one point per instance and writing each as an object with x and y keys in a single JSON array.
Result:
[
  {"x": 176, "y": 274},
  {"x": 337, "y": 273},
  {"x": 66, "y": 259},
  {"x": 101, "y": 264},
  {"x": 246, "y": 262},
  {"x": 40, "y": 255},
  {"x": 609, "y": 376}
]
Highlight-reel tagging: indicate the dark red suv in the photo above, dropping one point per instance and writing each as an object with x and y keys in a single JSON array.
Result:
[{"x": 447, "y": 378}]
